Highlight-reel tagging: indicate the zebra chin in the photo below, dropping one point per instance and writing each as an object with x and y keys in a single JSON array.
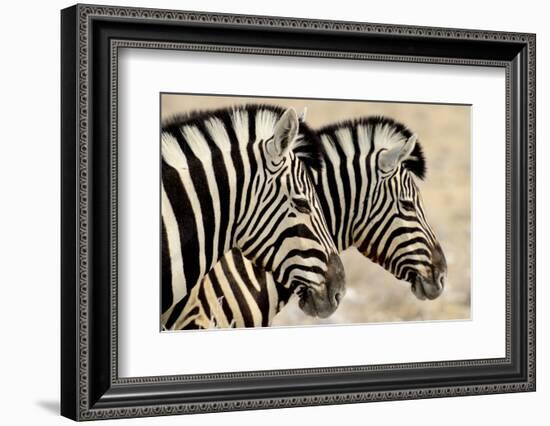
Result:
[
  {"x": 324, "y": 298},
  {"x": 427, "y": 289}
]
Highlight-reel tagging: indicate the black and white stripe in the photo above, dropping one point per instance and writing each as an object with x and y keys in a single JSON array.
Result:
[
  {"x": 231, "y": 179},
  {"x": 370, "y": 200}
]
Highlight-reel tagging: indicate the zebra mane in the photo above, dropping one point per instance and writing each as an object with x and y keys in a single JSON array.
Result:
[
  {"x": 308, "y": 147},
  {"x": 416, "y": 164}
]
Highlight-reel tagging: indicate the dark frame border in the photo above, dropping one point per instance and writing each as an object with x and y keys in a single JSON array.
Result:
[{"x": 91, "y": 37}]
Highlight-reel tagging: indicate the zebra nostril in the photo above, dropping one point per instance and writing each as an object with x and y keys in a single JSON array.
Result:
[{"x": 338, "y": 297}]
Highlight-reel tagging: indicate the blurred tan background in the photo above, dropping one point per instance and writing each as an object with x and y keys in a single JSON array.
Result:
[{"x": 374, "y": 295}]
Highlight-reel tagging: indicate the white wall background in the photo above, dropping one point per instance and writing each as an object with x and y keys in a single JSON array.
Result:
[{"x": 29, "y": 211}]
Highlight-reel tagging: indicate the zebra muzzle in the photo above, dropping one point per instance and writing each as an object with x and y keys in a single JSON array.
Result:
[
  {"x": 323, "y": 299},
  {"x": 432, "y": 286}
]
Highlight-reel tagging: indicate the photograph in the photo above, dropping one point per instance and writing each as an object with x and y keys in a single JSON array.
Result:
[
  {"x": 266, "y": 209},
  {"x": 280, "y": 212}
]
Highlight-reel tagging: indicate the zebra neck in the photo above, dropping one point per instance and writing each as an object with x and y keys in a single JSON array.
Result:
[
  {"x": 344, "y": 201},
  {"x": 346, "y": 182},
  {"x": 197, "y": 204}
]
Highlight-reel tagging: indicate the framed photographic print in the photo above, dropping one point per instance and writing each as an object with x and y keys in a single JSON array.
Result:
[{"x": 263, "y": 212}]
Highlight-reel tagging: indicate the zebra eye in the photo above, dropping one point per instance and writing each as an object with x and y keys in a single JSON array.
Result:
[
  {"x": 407, "y": 205},
  {"x": 302, "y": 205}
]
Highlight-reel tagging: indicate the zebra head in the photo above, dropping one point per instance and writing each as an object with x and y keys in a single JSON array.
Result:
[
  {"x": 396, "y": 234},
  {"x": 285, "y": 231}
]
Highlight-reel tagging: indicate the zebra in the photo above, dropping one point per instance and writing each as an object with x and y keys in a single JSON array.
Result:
[
  {"x": 370, "y": 200},
  {"x": 231, "y": 179}
]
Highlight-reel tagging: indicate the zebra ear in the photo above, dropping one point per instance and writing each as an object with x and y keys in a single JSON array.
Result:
[
  {"x": 392, "y": 157},
  {"x": 284, "y": 134},
  {"x": 303, "y": 115}
]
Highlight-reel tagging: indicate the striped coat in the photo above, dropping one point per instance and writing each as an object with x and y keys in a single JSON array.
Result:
[
  {"x": 370, "y": 200},
  {"x": 231, "y": 179}
]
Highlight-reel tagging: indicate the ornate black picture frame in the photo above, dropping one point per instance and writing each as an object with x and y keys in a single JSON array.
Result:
[{"x": 91, "y": 38}]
